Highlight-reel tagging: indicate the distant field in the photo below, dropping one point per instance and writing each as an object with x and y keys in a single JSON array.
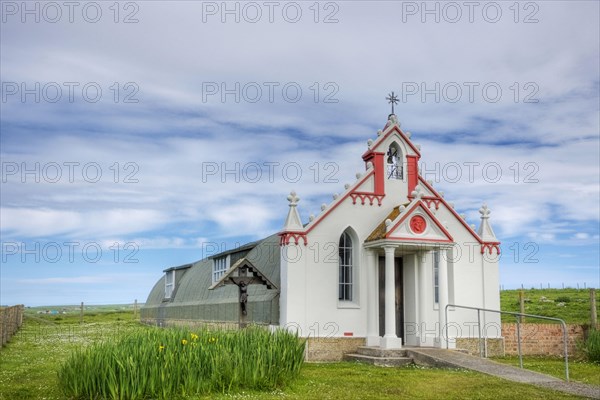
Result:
[
  {"x": 66, "y": 314},
  {"x": 571, "y": 305}
]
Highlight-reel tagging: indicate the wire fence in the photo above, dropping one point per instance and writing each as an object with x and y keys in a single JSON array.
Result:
[{"x": 11, "y": 319}]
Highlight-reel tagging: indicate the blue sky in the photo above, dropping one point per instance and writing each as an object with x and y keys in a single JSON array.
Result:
[{"x": 144, "y": 136}]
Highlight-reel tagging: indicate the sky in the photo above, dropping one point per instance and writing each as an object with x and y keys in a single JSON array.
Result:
[{"x": 141, "y": 135}]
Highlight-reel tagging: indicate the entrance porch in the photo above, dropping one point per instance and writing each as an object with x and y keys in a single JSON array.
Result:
[{"x": 407, "y": 292}]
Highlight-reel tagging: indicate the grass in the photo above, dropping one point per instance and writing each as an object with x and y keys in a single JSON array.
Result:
[
  {"x": 164, "y": 363},
  {"x": 571, "y": 305},
  {"x": 30, "y": 361},
  {"x": 579, "y": 370},
  {"x": 29, "y": 365}
]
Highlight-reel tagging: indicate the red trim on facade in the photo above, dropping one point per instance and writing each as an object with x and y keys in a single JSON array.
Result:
[
  {"x": 364, "y": 196},
  {"x": 381, "y": 139},
  {"x": 377, "y": 159},
  {"x": 339, "y": 201},
  {"x": 286, "y": 237},
  {"x": 408, "y": 213},
  {"x": 420, "y": 240},
  {"x": 348, "y": 333},
  {"x": 412, "y": 173},
  {"x": 490, "y": 246},
  {"x": 429, "y": 200},
  {"x": 452, "y": 210}
]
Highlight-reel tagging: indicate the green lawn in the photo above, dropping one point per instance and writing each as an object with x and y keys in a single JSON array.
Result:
[
  {"x": 356, "y": 381},
  {"x": 29, "y": 363},
  {"x": 571, "y": 305}
]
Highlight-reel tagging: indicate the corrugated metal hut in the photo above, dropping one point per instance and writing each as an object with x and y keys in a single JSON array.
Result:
[{"x": 183, "y": 295}]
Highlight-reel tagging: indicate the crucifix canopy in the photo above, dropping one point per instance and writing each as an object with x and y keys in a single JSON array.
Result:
[{"x": 243, "y": 271}]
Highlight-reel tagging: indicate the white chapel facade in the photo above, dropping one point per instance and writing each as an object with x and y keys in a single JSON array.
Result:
[
  {"x": 384, "y": 260},
  {"x": 379, "y": 266}
]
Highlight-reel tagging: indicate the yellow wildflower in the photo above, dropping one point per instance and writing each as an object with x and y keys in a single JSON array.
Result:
[
  {"x": 194, "y": 337},
  {"x": 161, "y": 347},
  {"x": 183, "y": 342}
]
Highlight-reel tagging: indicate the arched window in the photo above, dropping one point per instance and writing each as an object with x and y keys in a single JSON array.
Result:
[
  {"x": 394, "y": 162},
  {"x": 346, "y": 267}
]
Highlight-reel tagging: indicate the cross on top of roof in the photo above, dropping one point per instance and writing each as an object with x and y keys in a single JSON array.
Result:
[{"x": 392, "y": 99}]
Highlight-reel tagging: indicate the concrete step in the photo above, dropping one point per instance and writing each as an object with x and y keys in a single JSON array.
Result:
[
  {"x": 379, "y": 361},
  {"x": 379, "y": 352}
]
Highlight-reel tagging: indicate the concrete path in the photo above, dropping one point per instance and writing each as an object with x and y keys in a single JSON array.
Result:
[{"x": 454, "y": 359}]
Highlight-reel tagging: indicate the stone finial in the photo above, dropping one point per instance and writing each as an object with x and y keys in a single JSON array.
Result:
[
  {"x": 293, "y": 198},
  {"x": 369, "y": 165},
  {"x": 323, "y": 207},
  {"x": 335, "y": 196},
  {"x": 484, "y": 211},
  {"x": 347, "y": 186},
  {"x": 311, "y": 218},
  {"x": 358, "y": 175},
  {"x": 369, "y": 143},
  {"x": 408, "y": 134},
  {"x": 379, "y": 132},
  {"x": 472, "y": 226},
  {"x": 418, "y": 146},
  {"x": 417, "y": 193},
  {"x": 430, "y": 182},
  {"x": 463, "y": 216},
  {"x": 485, "y": 231},
  {"x": 402, "y": 208},
  {"x": 293, "y": 221},
  {"x": 441, "y": 194},
  {"x": 451, "y": 205},
  {"x": 388, "y": 222}
]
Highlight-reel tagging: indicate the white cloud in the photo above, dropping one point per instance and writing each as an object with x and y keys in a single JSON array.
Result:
[{"x": 92, "y": 279}]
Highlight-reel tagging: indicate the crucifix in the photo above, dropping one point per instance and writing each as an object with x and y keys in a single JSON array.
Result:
[
  {"x": 392, "y": 99},
  {"x": 243, "y": 274}
]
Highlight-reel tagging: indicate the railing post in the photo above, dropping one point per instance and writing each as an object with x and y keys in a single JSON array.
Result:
[
  {"x": 479, "y": 332},
  {"x": 519, "y": 341},
  {"x": 446, "y": 319},
  {"x": 566, "y": 340}
]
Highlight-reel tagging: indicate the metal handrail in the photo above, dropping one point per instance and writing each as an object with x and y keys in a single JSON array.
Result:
[{"x": 517, "y": 316}]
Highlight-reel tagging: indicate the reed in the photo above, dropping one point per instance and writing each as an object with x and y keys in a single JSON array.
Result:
[{"x": 167, "y": 363}]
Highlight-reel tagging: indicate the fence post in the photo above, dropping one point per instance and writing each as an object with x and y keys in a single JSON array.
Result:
[
  {"x": 519, "y": 341},
  {"x": 566, "y": 341},
  {"x": 135, "y": 308},
  {"x": 593, "y": 314},
  {"x": 81, "y": 313},
  {"x": 522, "y": 305}
]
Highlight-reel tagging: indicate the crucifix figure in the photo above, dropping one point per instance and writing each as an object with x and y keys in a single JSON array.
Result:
[{"x": 243, "y": 295}]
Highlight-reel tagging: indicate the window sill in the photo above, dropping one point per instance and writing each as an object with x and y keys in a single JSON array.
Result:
[{"x": 348, "y": 304}]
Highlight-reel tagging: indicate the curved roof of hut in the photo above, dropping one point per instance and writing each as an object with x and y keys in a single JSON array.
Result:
[{"x": 192, "y": 281}]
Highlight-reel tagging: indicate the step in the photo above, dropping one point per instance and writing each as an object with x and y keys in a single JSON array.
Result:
[
  {"x": 379, "y": 361},
  {"x": 379, "y": 352}
]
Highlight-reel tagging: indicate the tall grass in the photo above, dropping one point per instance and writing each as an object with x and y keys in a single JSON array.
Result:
[
  {"x": 591, "y": 346},
  {"x": 168, "y": 363}
]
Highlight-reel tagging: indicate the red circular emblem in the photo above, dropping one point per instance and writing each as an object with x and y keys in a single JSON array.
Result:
[{"x": 418, "y": 224}]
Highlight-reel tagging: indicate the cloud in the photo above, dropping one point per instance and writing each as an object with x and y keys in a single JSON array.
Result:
[
  {"x": 177, "y": 164},
  {"x": 69, "y": 280}
]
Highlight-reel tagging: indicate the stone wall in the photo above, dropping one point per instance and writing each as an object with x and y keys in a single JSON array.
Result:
[
  {"x": 331, "y": 349},
  {"x": 541, "y": 339},
  {"x": 493, "y": 347}
]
